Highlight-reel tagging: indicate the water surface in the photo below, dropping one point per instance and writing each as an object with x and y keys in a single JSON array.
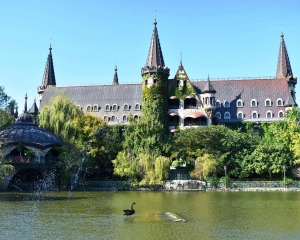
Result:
[{"x": 98, "y": 215}]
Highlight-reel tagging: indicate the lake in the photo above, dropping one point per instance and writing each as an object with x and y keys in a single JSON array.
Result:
[{"x": 99, "y": 215}]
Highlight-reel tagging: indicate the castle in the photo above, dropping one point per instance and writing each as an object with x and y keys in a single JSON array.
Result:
[{"x": 187, "y": 103}]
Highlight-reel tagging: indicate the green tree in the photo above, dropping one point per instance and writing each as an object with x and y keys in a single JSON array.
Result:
[{"x": 59, "y": 117}]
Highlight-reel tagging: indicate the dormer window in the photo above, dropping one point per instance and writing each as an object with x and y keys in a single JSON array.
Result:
[
  {"x": 268, "y": 103},
  {"x": 126, "y": 107},
  {"x": 137, "y": 106},
  {"x": 107, "y": 107},
  {"x": 239, "y": 103},
  {"x": 124, "y": 118},
  {"x": 254, "y": 114},
  {"x": 218, "y": 104},
  {"x": 95, "y": 108},
  {"x": 136, "y": 117},
  {"x": 253, "y": 103},
  {"x": 279, "y": 102},
  {"x": 240, "y": 115},
  {"x": 226, "y": 104},
  {"x": 115, "y": 107},
  {"x": 105, "y": 118},
  {"x": 113, "y": 118},
  {"x": 88, "y": 108},
  {"x": 280, "y": 114},
  {"x": 218, "y": 115},
  {"x": 269, "y": 114},
  {"x": 227, "y": 115}
]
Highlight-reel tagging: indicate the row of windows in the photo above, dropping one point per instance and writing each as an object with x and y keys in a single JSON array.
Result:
[
  {"x": 253, "y": 103},
  {"x": 254, "y": 114},
  {"x": 114, "y": 107},
  {"x": 114, "y": 118}
]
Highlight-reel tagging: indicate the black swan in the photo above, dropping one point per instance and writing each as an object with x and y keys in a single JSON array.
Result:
[{"x": 129, "y": 212}]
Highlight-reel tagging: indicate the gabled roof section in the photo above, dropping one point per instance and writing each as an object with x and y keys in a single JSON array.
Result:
[
  {"x": 116, "y": 80},
  {"x": 181, "y": 85},
  {"x": 49, "y": 76},
  {"x": 284, "y": 68},
  {"x": 208, "y": 87},
  {"x": 155, "y": 60}
]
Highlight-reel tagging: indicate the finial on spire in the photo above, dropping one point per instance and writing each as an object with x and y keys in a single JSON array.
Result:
[
  {"x": 181, "y": 59},
  {"x": 25, "y": 106},
  {"x": 50, "y": 48},
  {"x": 116, "y": 65},
  {"x": 281, "y": 33},
  {"x": 155, "y": 17}
]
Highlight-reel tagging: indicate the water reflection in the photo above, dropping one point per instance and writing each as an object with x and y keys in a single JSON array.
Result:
[{"x": 99, "y": 215}]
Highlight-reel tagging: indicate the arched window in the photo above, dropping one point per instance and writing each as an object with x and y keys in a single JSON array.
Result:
[
  {"x": 218, "y": 104},
  {"x": 105, "y": 118},
  {"x": 126, "y": 107},
  {"x": 88, "y": 108},
  {"x": 269, "y": 114},
  {"x": 137, "y": 106},
  {"x": 240, "y": 115},
  {"x": 280, "y": 114},
  {"x": 136, "y": 117},
  {"x": 113, "y": 118},
  {"x": 226, "y": 104},
  {"x": 268, "y": 103},
  {"x": 279, "y": 102},
  {"x": 218, "y": 115},
  {"x": 115, "y": 107},
  {"x": 239, "y": 103},
  {"x": 95, "y": 108},
  {"x": 253, "y": 103},
  {"x": 124, "y": 118},
  {"x": 107, "y": 107},
  {"x": 254, "y": 114},
  {"x": 227, "y": 115}
]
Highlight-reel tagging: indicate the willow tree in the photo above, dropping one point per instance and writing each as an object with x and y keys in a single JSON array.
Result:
[
  {"x": 146, "y": 146},
  {"x": 59, "y": 116}
]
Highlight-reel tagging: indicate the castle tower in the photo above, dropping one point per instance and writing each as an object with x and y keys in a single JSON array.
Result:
[
  {"x": 49, "y": 75},
  {"x": 155, "y": 74},
  {"x": 284, "y": 70}
]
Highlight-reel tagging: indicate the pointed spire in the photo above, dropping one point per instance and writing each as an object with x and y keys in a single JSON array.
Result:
[
  {"x": 49, "y": 75},
  {"x": 34, "y": 109},
  {"x": 116, "y": 80},
  {"x": 25, "y": 106},
  {"x": 284, "y": 68},
  {"x": 155, "y": 60},
  {"x": 208, "y": 87},
  {"x": 180, "y": 59}
]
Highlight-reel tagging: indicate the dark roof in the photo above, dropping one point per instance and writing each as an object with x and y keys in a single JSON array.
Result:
[
  {"x": 208, "y": 87},
  {"x": 284, "y": 68},
  {"x": 290, "y": 102},
  {"x": 247, "y": 90},
  {"x": 34, "y": 109},
  {"x": 102, "y": 95},
  {"x": 29, "y": 134},
  {"x": 49, "y": 76},
  {"x": 155, "y": 60}
]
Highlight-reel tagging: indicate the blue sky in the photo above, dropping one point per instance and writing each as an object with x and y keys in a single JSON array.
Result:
[{"x": 220, "y": 38}]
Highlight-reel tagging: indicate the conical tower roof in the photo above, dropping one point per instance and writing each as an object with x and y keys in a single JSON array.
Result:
[
  {"x": 155, "y": 60},
  {"x": 208, "y": 87},
  {"x": 49, "y": 76},
  {"x": 284, "y": 68},
  {"x": 290, "y": 101},
  {"x": 116, "y": 80},
  {"x": 34, "y": 109}
]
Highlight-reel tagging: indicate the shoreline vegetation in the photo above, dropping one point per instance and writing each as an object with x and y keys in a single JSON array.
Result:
[{"x": 145, "y": 153}]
